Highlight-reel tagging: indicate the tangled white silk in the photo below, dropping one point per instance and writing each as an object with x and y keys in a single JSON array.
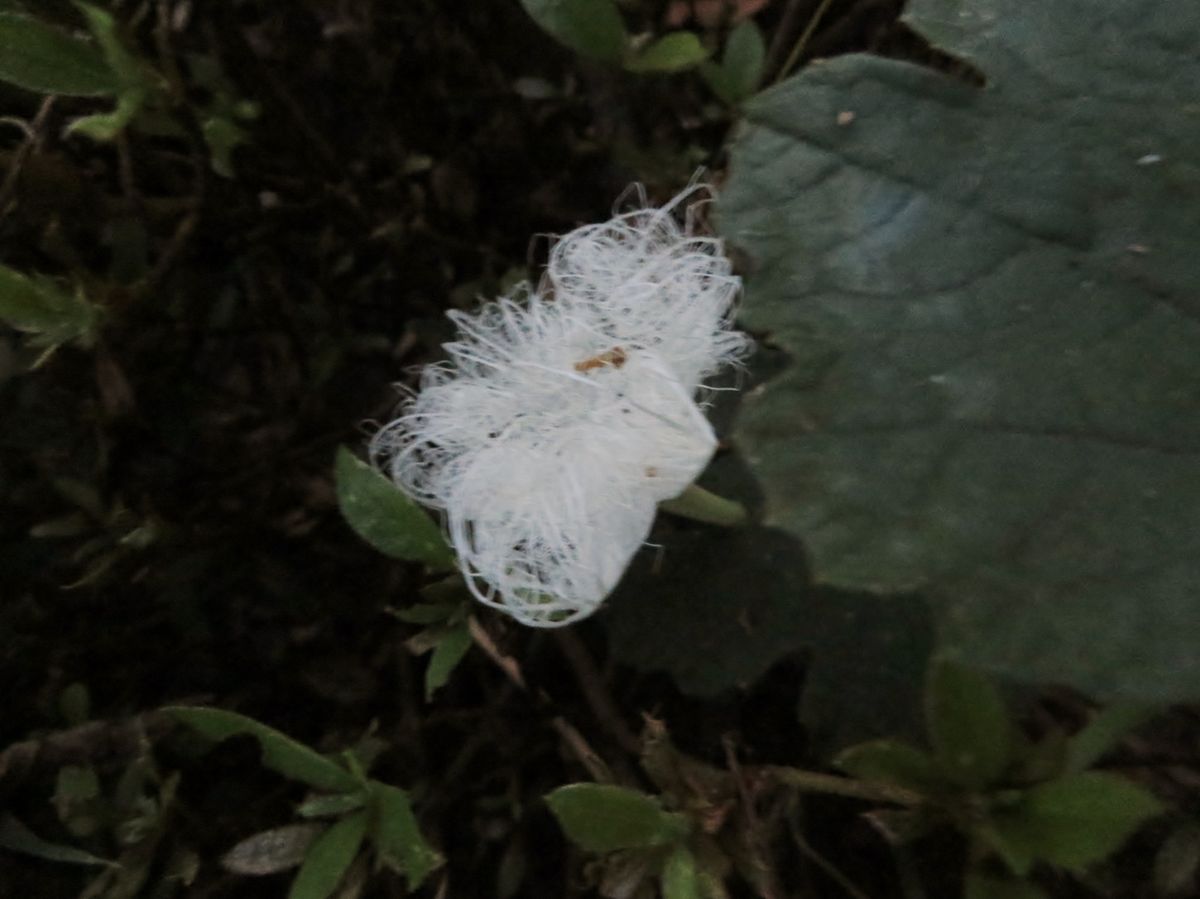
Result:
[{"x": 565, "y": 414}]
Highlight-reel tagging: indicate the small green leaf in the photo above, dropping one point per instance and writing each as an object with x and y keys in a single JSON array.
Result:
[
  {"x": 327, "y": 860},
  {"x": 398, "y": 837},
  {"x": 1076, "y": 820},
  {"x": 605, "y": 818},
  {"x": 223, "y": 136},
  {"x": 386, "y": 518},
  {"x": 744, "y": 57},
  {"x": 43, "y": 59},
  {"x": 280, "y": 752},
  {"x": 592, "y": 28},
  {"x": 969, "y": 725},
  {"x": 16, "y": 837},
  {"x": 130, "y": 71},
  {"x": 892, "y": 762},
  {"x": 448, "y": 652},
  {"x": 38, "y": 306},
  {"x": 988, "y": 886},
  {"x": 107, "y": 125},
  {"x": 680, "y": 879},
  {"x": 741, "y": 67},
  {"x": 1104, "y": 731},
  {"x": 672, "y": 52},
  {"x": 331, "y": 806}
]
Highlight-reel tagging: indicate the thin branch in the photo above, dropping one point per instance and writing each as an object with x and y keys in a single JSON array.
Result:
[
  {"x": 805, "y": 37},
  {"x": 830, "y": 784},
  {"x": 595, "y": 691},
  {"x": 32, "y": 139}
]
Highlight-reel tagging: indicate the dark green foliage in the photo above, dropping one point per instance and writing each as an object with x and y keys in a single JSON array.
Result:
[
  {"x": 987, "y": 297},
  {"x": 604, "y": 818}
]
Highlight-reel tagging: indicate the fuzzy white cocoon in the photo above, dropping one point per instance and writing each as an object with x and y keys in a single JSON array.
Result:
[{"x": 564, "y": 415}]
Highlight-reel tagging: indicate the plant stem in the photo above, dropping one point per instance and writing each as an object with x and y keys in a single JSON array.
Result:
[
  {"x": 700, "y": 505},
  {"x": 815, "y": 782},
  {"x": 794, "y": 56}
]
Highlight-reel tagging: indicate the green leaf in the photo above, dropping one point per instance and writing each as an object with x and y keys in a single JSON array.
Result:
[
  {"x": 397, "y": 835},
  {"x": 329, "y": 857},
  {"x": 744, "y": 57},
  {"x": 449, "y": 651},
  {"x": 592, "y": 28},
  {"x": 36, "y": 305},
  {"x": 605, "y": 818},
  {"x": 131, "y": 72},
  {"x": 43, "y": 59},
  {"x": 1076, "y": 820},
  {"x": 1104, "y": 731},
  {"x": 333, "y": 805},
  {"x": 969, "y": 725},
  {"x": 16, "y": 837},
  {"x": 892, "y": 762},
  {"x": 680, "y": 879},
  {"x": 672, "y": 52},
  {"x": 386, "y": 518},
  {"x": 987, "y": 886},
  {"x": 279, "y": 752},
  {"x": 1038, "y": 760},
  {"x": 107, "y": 125},
  {"x": 988, "y": 301},
  {"x": 741, "y": 67}
]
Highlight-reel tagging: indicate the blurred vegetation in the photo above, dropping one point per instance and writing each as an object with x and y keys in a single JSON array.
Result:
[{"x": 252, "y": 235}]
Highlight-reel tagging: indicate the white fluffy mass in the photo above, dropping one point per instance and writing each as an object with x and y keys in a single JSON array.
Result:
[{"x": 566, "y": 413}]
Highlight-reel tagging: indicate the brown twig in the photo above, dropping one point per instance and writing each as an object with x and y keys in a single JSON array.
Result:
[
  {"x": 591, "y": 682},
  {"x": 809, "y": 30},
  {"x": 507, "y": 664},
  {"x": 31, "y": 142},
  {"x": 755, "y": 833},
  {"x": 587, "y": 756},
  {"x": 831, "y": 784},
  {"x": 797, "y": 12}
]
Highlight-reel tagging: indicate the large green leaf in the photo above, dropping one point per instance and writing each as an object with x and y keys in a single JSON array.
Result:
[
  {"x": 605, "y": 818},
  {"x": 43, "y": 59},
  {"x": 280, "y": 752},
  {"x": 989, "y": 300},
  {"x": 385, "y": 517}
]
